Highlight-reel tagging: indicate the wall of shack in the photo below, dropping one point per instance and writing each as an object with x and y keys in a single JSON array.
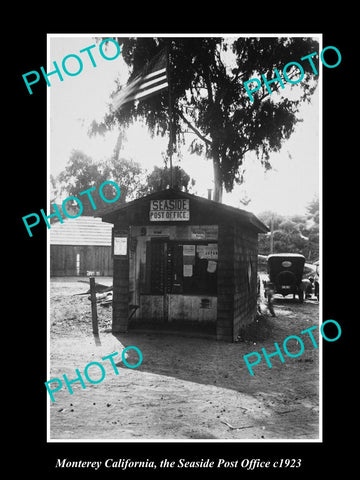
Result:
[
  {"x": 237, "y": 280},
  {"x": 245, "y": 279},
  {"x": 72, "y": 260}
]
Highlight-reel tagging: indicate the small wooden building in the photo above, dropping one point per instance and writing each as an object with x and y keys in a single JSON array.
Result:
[
  {"x": 184, "y": 262},
  {"x": 79, "y": 245}
]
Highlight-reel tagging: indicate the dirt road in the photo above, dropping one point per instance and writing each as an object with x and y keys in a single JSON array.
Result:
[{"x": 186, "y": 388}]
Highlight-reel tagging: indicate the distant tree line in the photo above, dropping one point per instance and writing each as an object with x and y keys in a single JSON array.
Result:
[
  {"x": 293, "y": 233},
  {"x": 82, "y": 172}
]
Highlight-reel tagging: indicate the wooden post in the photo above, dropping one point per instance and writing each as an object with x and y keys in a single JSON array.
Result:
[{"x": 93, "y": 306}]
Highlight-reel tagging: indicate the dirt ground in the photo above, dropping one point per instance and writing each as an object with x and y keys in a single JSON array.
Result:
[{"x": 185, "y": 388}]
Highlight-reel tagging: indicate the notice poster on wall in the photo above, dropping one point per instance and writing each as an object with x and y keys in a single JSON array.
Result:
[
  {"x": 189, "y": 253},
  {"x": 209, "y": 252},
  {"x": 187, "y": 270},
  {"x": 189, "y": 250},
  {"x": 120, "y": 245},
  {"x": 211, "y": 266}
]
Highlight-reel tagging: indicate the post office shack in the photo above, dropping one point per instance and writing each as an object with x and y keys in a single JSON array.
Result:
[{"x": 182, "y": 262}]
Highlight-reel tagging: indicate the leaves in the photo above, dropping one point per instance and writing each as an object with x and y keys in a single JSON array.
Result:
[
  {"x": 160, "y": 179},
  {"x": 295, "y": 233},
  {"x": 210, "y": 101},
  {"x": 82, "y": 173}
]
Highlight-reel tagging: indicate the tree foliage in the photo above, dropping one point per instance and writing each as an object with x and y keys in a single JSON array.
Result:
[
  {"x": 82, "y": 172},
  {"x": 160, "y": 179},
  {"x": 293, "y": 234},
  {"x": 209, "y": 98}
]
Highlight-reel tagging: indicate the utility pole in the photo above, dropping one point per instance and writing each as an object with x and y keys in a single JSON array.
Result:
[{"x": 272, "y": 234}]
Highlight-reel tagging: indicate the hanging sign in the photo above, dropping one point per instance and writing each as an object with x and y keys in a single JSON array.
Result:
[{"x": 170, "y": 210}]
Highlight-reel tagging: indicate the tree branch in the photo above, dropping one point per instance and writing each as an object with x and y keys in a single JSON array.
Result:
[
  {"x": 194, "y": 129},
  {"x": 221, "y": 64},
  {"x": 276, "y": 87}
]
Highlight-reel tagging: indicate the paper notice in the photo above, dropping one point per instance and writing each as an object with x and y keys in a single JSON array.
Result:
[
  {"x": 187, "y": 270},
  {"x": 211, "y": 267},
  {"x": 189, "y": 250},
  {"x": 120, "y": 245},
  {"x": 208, "y": 252}
]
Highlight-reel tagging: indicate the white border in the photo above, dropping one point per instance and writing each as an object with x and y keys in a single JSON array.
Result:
[{"x": 319, "y": 36}]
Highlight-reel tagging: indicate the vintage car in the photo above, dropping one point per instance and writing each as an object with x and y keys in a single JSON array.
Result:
[{"x": 285, "y": 272}]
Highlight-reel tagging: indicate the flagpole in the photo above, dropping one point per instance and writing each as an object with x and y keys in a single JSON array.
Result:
[{"x": 170, "y": 118}]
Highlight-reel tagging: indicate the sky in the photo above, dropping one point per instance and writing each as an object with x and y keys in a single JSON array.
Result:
[{"x": 73, "y": 103}]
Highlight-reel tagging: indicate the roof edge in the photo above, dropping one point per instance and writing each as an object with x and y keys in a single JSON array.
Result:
[{"x": 107, "y": 215}]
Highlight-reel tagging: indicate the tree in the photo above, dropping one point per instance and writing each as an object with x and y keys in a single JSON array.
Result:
[
  {"x": 209, "y": 98},
  {"x": 82, "y": 173},
  {"x": 312, "y": 229},
  {"x": 290, "y": 234},
  {"x": 160, "y": 178},
  {"x": 267, "y": 215},
  {"x": 54, "y": 189},
  {"x": 288, "y": 238},
  {"x": 313, "y": 211},
  {"x": 294, "y": 233}
]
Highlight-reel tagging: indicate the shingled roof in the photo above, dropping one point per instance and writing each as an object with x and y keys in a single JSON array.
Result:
[
  {"x": 216, "y": 211},
  {"x": 82, "y": 230}
]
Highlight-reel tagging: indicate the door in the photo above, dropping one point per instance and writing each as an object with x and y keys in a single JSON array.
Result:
[{"x": 180, "y": 281}]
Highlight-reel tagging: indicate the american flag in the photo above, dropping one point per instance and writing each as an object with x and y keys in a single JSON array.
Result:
[{"x": 151, "y": 81}]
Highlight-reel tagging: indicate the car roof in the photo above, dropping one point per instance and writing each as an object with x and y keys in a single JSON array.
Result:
[{"x": 286, "y": 255}]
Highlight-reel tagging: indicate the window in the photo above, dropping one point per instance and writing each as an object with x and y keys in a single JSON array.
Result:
[{"x": 181, "y": 267}]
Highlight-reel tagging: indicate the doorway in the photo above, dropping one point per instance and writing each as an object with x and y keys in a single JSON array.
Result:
[{"x": 180, "y": 281}]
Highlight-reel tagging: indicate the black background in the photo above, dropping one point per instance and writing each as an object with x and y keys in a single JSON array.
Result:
[{"x": 24, "y": 394}]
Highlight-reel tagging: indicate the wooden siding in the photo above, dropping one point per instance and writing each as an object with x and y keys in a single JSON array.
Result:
[
  {"x": 93, "y": 258},
  {"x": 245, "y": 279},
  {"x": 226, "y": 284},
  {"x": 236, "y": 233},
  {"x": 237, "y": 275},
  {"x": 90, "y": 231},
  {"x": 121, "y": 291}
]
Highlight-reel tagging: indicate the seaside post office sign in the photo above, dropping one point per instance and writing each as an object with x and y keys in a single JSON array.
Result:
[{"x": 175, "y": 210}]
